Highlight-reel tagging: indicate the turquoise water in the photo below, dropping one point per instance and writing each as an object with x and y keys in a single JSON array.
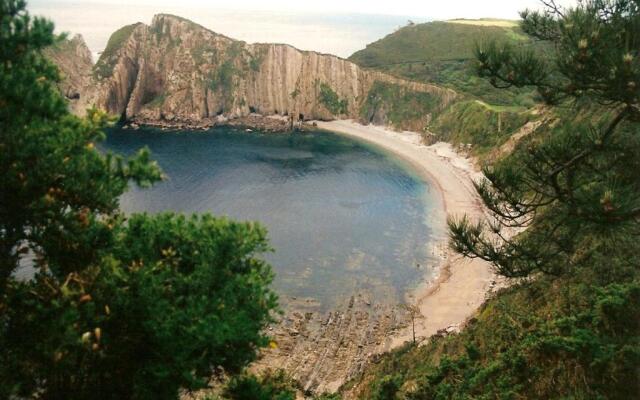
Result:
[{"x": 342, "y": 216}]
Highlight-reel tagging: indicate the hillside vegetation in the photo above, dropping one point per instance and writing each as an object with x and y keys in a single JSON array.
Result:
[
  {"x": 575, "y": 335},
  {"x": 433, "y": 41},
  {"x": 389, "y": 104},
  {"x": 442, "y": 53},
  {"x": 564, "y": 212},
  {"x": 483, "y": 117},
  {"x": 548, "y": 339},
  {"x": 475, "y": 123},
  {"x": 107, "y": 60}
]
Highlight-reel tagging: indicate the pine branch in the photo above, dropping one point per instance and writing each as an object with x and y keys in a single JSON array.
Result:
[
  {"x": 555, "y": 9},
  {"x": 553, "y": 176}
]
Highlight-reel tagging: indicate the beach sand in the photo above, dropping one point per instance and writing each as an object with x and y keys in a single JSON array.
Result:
[
  {"x": 462, "y": 284},
  {"x": 323, "y": 350}
]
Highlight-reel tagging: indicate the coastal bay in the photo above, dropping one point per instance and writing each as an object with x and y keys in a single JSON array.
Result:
[{"x": 462, "y": 284}]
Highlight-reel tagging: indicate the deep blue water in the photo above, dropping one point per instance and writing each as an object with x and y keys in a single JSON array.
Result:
[{"x": 341, "y": 215}]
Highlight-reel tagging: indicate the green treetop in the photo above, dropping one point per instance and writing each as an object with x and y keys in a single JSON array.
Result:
[
  {"x": 118, "y": 307},
  {"x": 569, "y": 328},
  {"x": 575, "y": 187}
]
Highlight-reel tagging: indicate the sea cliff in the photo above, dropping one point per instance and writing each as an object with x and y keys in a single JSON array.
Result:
[{"x": 176, "y": 72}]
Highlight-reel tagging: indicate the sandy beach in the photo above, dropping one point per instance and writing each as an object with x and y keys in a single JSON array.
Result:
[
  {"x": 462, "y": 284},
  {"x": 323, "y": 350}
]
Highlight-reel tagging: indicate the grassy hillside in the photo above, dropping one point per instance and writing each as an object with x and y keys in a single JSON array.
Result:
[
  {"x": 571, "y": 336},
  {"x": 442, "y": 53},
  {"x": 483, "y": 126},
  {"x": 432, "y": 41},
  {"x": 393, "y": 105},
  {"x": 564, "y": 339},
  {"x": 465, "y": 121}
]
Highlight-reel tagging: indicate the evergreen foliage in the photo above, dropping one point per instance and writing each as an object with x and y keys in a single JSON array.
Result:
[
  {"x": 532, "y": 341},
  {"x": 95, "y": 304},
  {"x": 575, "y": 188},
  {"x": 568, "y": 325}
]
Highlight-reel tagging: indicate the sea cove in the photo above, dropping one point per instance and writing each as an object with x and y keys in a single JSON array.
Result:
[{"x": 343, "y": 217}]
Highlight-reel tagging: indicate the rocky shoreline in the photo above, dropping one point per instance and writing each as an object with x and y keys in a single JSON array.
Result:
[
  {"x": 463, "y": 284},
  {"x": 251, "y": 122},
  {"x": 323, "y": 350}
]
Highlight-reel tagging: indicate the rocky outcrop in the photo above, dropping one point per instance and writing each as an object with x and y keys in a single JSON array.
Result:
[
  {"x": 75, "y": 64},
  {"x": 177, "y": 72},
  {"x": 322, "y": 351}
]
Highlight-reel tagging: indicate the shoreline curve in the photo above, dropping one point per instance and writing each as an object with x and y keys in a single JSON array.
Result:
[{"x": 462, "y": 284}]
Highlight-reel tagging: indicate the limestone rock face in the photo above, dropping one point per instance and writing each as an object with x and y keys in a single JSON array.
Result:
[
  {"x": 74, "y": 61},
  {"x": 175, "y": 71}
]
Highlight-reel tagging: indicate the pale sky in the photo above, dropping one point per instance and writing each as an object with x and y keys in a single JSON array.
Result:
[
  {"x": 432, "y": 9},
  {"x": 338, "y": 27}
]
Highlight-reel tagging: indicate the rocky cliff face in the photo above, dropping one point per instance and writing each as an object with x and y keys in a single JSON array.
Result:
[
  {"x": 177, "y": 72},
  {"x": 74, "y": 61}
]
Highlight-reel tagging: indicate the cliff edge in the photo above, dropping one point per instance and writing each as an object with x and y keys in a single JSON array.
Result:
[
  {"x": 73, "y": 58},
  {"x": 176, "y": 72}
]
